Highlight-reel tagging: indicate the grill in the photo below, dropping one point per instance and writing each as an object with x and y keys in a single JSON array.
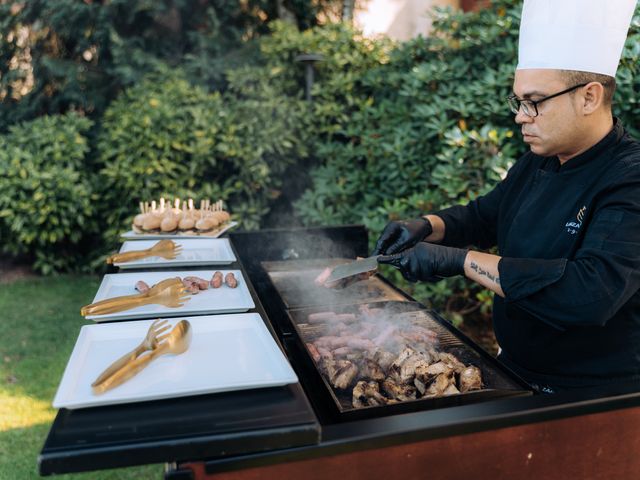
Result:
[
  {"x": 284, "y": 280},
  {"x": 294, "y": 282}
]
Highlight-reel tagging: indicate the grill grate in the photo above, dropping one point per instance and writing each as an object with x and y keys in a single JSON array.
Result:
[{"x": 409, "y": 321}]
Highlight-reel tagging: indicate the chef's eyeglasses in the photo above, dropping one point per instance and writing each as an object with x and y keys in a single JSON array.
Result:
[{"x": 530, "y": 107}]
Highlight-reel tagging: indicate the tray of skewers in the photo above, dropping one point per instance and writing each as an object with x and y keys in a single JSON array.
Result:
[{"x": 163, "y": 219}]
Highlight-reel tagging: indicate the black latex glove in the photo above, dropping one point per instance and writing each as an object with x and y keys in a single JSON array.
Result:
[
  {"x": 428, "y": 262},
  {"x": 398, "y": 236}
]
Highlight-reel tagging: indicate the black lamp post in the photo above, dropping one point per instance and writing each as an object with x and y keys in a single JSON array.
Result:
[{"x": 308, "y": 59}]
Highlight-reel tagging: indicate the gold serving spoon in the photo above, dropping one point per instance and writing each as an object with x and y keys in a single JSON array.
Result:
[
  {"x": 164, "y": 248},
  {"x": 169, "y": 292},
  {"x": 176, "y": 342}
]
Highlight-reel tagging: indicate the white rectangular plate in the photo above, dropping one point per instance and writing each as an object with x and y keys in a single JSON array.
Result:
[
  {"x": 213, "y": 300},
  {"x": 227, "y": 352},
  {"x": 209, "y": 251},
  {"x": 131, "y": 235}
]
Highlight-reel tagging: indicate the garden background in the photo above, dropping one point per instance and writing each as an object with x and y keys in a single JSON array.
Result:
[{"x": 104, "y": 104}]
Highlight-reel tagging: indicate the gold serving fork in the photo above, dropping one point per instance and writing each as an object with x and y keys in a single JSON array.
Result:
[
  {"x": 169, "y": 292},
  {"x": 164, "y": 248},
  {"x": 149, "y": 342},
  {"x": 176, "y": 342}
]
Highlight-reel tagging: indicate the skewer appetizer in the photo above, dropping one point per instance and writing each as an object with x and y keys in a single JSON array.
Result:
[{"x": 181, "y": 218}]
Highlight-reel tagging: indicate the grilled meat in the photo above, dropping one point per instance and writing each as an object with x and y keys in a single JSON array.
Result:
[
  {"x": 408, "y": 368},
  {"x": 374, "y": 397},
  {"x": 470, "y": 379},
  {"x": 370, "y": 369},
  {"x": 230, "y": 280},
  {"x": 216, "y": 280},
  {"x": 397, "y": 391},
  {"x": 367, "y": 394},
  {"x": 315, "y": 354},
  {"x": 451, "y": 389},
  {"x": 344, "y": 375},
  {"x": 190, "y": 286},
  {"x": 142, "y": 287},
  {"x": 452, "y": 361},
  {"x": 359, "y": 397},
  {"x": 384, "y": 363},
  {"x": 438, "y": 386},
  {"x": 201, "y": 282},
  {"x": 384, "y": 359}
]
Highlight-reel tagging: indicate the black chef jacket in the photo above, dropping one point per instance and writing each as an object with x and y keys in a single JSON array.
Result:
[{"x": 569, "y": 236}]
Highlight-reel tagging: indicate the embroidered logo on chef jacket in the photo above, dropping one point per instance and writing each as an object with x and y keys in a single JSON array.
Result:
[{"x": 573, "y": 226}]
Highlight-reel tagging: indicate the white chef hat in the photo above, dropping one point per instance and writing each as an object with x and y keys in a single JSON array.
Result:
[{"x": 583, "y": 35}]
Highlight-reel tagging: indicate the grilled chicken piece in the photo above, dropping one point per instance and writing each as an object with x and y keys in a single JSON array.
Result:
[
  {"x": 404, "y": 354},
  {"x": 328, "y": 367},
  {"x": 370, "y": 369},
  {"x": 398, "y": 392},
  {"x": 344, "y": 375},
  {"x": 374, "y": 397},
  {"x": 384, "y": 359},
  {"x": 451, "y": 389},
  {"x": 359, "y": 397},
  {"x": 409, "y": 366},
  {"x": 438, "y": 386},
  {"x": 428, "y": 373},
  {"x": 452, "y": 361},
  {"x": 470, "y": 379}
]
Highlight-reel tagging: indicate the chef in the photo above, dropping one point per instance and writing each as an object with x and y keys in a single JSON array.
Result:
[{"x": 566, "y": 219}]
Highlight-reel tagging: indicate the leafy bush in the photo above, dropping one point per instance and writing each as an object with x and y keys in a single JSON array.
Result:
[
  {"x": 46, "y": 201},
  {"x": 429, "y": 128},
  {"x": 166, "y": 137}
]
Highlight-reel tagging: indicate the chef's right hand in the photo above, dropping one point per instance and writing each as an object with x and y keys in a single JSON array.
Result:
[{"x": 400, "y": 235}]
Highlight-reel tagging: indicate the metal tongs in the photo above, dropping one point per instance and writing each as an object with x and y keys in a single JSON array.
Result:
[
  {"x": 157, "y": 342},
  {"x": 169, "y": 292},
  {"x": 166, "y": 249}
]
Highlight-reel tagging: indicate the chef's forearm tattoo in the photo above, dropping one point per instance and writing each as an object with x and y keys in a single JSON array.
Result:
[{"x": 480, "y": 271}]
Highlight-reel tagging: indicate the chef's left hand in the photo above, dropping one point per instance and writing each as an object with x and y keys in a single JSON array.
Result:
[{"x": 428, "y": 262}]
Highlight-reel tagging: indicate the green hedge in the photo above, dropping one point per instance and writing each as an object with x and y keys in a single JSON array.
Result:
[
  {"x": 430, "y": 128},
  {"x": 167, "y": 137},
  {"x": 47, "y": 206},
  {"x": 394, "y": 130}
]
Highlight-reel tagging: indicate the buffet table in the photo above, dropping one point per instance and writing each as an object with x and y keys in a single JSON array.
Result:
[{"x": 298, "y": 430}]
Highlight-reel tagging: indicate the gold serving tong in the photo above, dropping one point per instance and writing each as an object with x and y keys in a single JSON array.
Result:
[
  {"x": 149, "y": 342},
  {"x": 164, "y": 248},
  {"x": 176, "y": 342},
  {"x": 169, "y": 292}
]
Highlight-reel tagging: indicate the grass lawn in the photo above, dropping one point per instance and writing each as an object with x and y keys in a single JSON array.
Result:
[{"x": 39, "y": 323}]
